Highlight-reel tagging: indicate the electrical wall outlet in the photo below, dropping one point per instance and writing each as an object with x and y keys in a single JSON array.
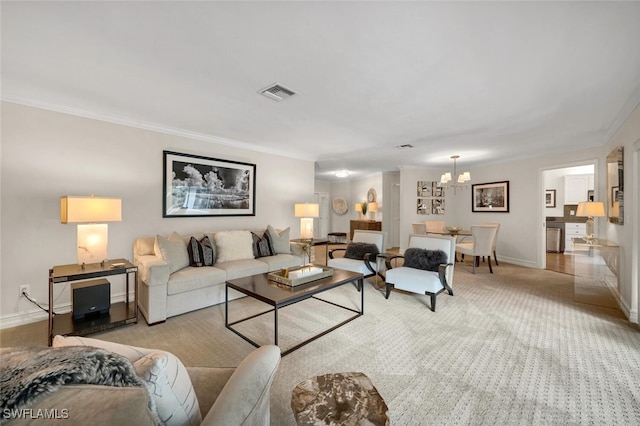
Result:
[{"x": 24, "y": 289}]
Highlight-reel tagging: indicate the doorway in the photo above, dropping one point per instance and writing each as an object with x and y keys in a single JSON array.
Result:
[{"x": 563, "y": 188}]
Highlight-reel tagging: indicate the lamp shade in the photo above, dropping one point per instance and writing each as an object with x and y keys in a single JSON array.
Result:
[
  {"x": 591, "y": 209},
  {"x": 307, "y": 210},
  {"x": 372, "y": 207},
  {"x": 90, "y": 209},
  {"x": 359, "y": 207}
]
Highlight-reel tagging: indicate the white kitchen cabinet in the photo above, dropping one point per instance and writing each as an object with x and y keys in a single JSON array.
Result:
[
  {"x": 573, "y": 230},
  {"x": 576, "y": 188}
]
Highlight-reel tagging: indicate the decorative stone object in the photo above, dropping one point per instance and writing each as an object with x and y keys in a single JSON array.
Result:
[{"x": 338, "y": 399}]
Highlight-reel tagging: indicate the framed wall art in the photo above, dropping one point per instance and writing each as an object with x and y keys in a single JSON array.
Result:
[
  {"x": 549, "y": 198},
  {"x": 194, "y": 185},
  {"x": 490, "y": 197}
]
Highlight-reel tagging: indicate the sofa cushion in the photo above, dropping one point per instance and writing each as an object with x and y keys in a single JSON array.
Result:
[
  {"x": 173, "y": 250},
  {"x": 262, "y": 245},
  {"x": 428, "y": 260},
  {"x": 358, "y": 250},
  {"x": 280, "y": 261},
  {"x": 279, "y": 240},
  {"x": 234, "y": 245},
  {"x": 171, "y": 388},
  {"x": 201, "y": 253},
  {"x": 190, "y": 278},
  {"x": 242, "y": 268}
]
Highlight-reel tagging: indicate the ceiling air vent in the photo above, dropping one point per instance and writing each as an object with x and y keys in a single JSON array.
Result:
[
  {"x": 404, "y": 146},
  {"x": 277, "y": 92}
]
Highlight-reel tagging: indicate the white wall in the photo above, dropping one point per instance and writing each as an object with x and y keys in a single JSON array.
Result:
[
  {"x": 46, "y": 155},
  {"x": 626, "y": 136}
]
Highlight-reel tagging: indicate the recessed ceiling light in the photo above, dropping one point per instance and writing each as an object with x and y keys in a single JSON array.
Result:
[{"x": 342, "y": 173}]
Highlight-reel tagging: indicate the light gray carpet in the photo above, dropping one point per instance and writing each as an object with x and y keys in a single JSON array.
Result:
[{"x": 508, "y": 348}]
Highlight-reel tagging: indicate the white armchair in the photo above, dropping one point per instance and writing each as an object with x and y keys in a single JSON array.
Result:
[
  {"x": 432, "y": 281},
  {"x": 367, "y": 264}
]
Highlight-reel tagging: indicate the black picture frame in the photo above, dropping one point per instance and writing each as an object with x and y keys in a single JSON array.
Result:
[
  {"x": 490, "y": 197},
  {"x": 194, "y": 185},
  {"x": 549, "y": 198}
]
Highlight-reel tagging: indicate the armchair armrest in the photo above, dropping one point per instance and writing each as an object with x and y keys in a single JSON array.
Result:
[
  {"x": 388, "y": 260},
  {"x": 245, "y": 397},
  {"x": 336, "y": 250},
  {"x": 442, "y": 274},
  {"x": 367, "y": 261}
]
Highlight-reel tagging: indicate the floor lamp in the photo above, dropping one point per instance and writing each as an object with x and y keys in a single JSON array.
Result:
[{"x": 92, "y": 236}]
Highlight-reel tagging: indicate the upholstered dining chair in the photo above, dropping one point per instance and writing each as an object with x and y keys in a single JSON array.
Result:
[
  {"x": 427, "y": 268},
  {"x": 434, "y": 226},
  {"x": 418, "y": 228},
  {"x": 495, "y": 240},
  {"x": 361, "y": 254},
  {"x": 482, "y": 244}
]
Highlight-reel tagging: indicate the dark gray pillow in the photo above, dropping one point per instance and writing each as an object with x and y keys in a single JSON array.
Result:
[
  {"x": 262, "y": 245},
  {"x": 358, "y": 250},
  {"x": 201, "y": 253},
  {"x": 428, "y": 260}
]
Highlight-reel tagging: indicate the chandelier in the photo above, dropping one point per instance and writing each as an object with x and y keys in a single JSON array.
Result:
[{"x": 446, "y": 180}]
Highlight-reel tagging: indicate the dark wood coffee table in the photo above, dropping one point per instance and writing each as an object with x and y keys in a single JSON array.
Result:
[{"x": 279, "y": 295}]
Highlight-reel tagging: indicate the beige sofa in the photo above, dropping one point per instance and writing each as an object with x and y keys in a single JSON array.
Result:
[
  {"x": 182, "y": 396},
  {"x": 169, "y": 286}
]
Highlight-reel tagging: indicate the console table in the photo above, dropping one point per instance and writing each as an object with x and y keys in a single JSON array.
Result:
[
  {"x": 596, "y": 272},
  {"x": 119, "y": 314},
  {"x": 367, "y": 225}
]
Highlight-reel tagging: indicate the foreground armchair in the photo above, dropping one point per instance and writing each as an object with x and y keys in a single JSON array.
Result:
[
  {"x": 427, "y": 267},
  {"x": 181, "y": 396}
]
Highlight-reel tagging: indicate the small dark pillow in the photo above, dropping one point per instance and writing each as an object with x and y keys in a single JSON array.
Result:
[
  {"x": 201, "y": 253},
  {"x": 262, "y": 246},
  {"x": 428, "y": 260},
  {"x": 358, "y": 250}
]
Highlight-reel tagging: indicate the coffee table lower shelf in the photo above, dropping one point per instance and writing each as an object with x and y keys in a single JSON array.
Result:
[{"x": 272, "y": 293}]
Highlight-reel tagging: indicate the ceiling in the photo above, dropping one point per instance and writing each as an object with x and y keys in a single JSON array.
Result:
[{"x": 490, "y": 81}]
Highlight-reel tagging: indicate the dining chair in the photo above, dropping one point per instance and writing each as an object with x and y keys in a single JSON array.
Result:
[
  {"x": 434, "y": 226},
  {"x": 482, "y": 244},
  {"x": 495, "y": 240},
  {"x": 418, "y": 228}
]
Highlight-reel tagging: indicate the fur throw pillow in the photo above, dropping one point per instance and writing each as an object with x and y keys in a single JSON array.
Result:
[
  {"x": 428, "y": 260},
  {"x": 358, "y": 250}
]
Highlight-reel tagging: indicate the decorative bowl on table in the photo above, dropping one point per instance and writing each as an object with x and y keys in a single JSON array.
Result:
[{"x": 453, "y": 230}]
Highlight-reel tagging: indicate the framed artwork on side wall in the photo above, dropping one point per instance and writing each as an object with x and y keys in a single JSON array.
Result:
[
  {"x": 194, "y": 185},
  {"x": 549, "y": 198},
  {"x": 490, "y": 197}
]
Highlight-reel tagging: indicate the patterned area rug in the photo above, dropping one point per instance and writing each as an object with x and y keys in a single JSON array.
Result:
[{"x": 508, "y": 348}]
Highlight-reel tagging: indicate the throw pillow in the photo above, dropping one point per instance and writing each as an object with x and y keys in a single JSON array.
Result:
[
  {"x": 262, "y": 245},
  {"x": 173, "y": 250},
  {"x": 234, "y": 245},
  {"x": 170, "y": 387},
  {"x": 279, "y": 240},
  {"x": 428, "y": 260},
  {"x": 358, "y": 250},
  {"x": 201, "y": 253}
]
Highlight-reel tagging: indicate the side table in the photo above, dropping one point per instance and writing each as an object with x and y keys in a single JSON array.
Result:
[
  {"x": 316, "y": 242},
  {"x": 338, "y": 399},
  {"x": 120, "y": 313}
]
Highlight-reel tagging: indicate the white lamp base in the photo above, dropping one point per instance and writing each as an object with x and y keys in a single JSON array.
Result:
[
  {"x": 92, "y": 243},
  {"x": 306, "y": 228}
]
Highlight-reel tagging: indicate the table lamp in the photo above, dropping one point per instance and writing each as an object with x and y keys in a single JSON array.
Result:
[
  {"x": 373, "y": 208},
  {"x": 590, "y": 209},
  {"x": 92, "y": 237},
  {"x": 306, "y": 212},
  {"x": 359, "y": 210}
]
